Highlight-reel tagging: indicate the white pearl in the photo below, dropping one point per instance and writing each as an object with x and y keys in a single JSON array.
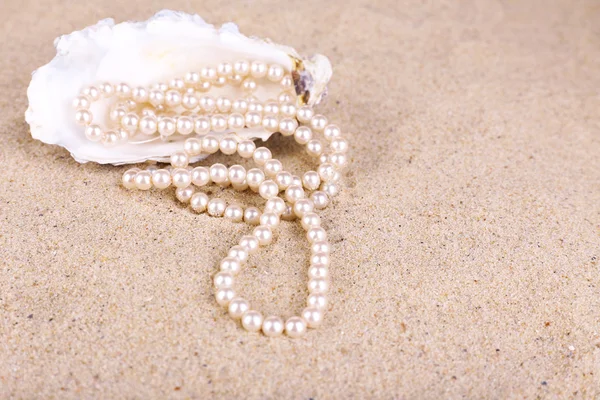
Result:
[
  {"x": 318, "y": 271},
  {"x": 143, "y": 180},
  {"x": 110, "y": 138},
  {"x": 200, "y": 176},
  {"x": 331, "y": 132},
  {"x": 326, "y": 171},
  {"x": 269, "y": 219},
  {"x": 320, "y": 199},
  {"x": 218, "y": 123},
  {"x": 303, "y": 206},
  {"x": 236, "y": 121},
  {"x": 199, "y": 202},
  {"x": 156, "y": 97},
  {"x": 192, "y": 146},
  {"x": 82, "y": 102},
  {"x": 253, "y": 119},
  {"x": 272, "y": 167},
  {"x": 218, "y": 173},
  {"x": 275, "y": 73},
  {"x": 83, "y": 117},
  {"x": 230, "y": 264},
  {"x": 191, "y": 78},
  {"x": 288, "y": 214},
  {"x": 249, "y": 84},
  {"x": 271, "y": 108},
  {"x": 255, "y": 106},
  {"x": 234, "y": 213},
  {"x": 179, "y": 160},
  {"x": 288, "y": 110},
  {"x": 225, "y": 69},
  {"x": 223, "y": 280},
  {"x": 252, "y": 321},
  {"x": 318, "y": 123},
  {"x": 314, "y": 148},
  {"x": 129, "y": 178},
  {"x": 139, "y": 94},
  {"x": 92, "y": 92},
  {"x": 185, "y": 125},
  {"x": 252, "y": 216},
  {"x": 172, "y": 98},
  {"x": 270, "y": 123},
  {"x": 161, "y": 179},
  {"x": 286, "y": 97},
  {"x": 339, "y": 160},
  {"x": 185, "y": 194},
  {"x": 208, "y": 73},
  {"x": 241, "y": 68},
  {"x": 316, "y": 234},
  {"x": 303, "y": 134},
  {"x": 319, "y": 258},
  {"x": 106, "y": 89},
  {"x": 272, "y": 326},
  {"x": 330, "y": 188},
  {"x": 237, "y": 307},
  {"x": 275, "y": 205},
  {"x": 305, "y": 114},
  {"x": 294, "y": 193},
  {"x": 317, "y": 300},
  {"x": 318, "y": 285},
  {"x": 240, "y": 106},
  {"x": 177, "y": 83},
  {"x": 148, "y": 125},
  {"x": 201, "y": 125},
  {"x": 287, "y": 82},
  {"x": 283, "y": 179},
  {"x": 263, "y": 234},
  {"x": 216, "y": 207},
  {"x": 249, "y": 242},
  {"x": 117, "y": 113},
  {"x": 207, "y": 103},
  {"x": 320, "y": 247},
  {"x": 246, "y": 148},
  {"x": 228, "y": 145},
  {"x": 237, "y": 174},
  {"x": 181, "y": 177},
  {"x": 311, "y": 180},
  {"x": 258, "y": 69},
  {"x": 93, "y": 133},
  {"x": 313, "y": 317},
  {"x": 254, "y": 177},
  {"x": 268, "y": 189},
  {"x": 223, "y": 104},
  {"x": 210, "y": 144},
  {"x": 287, "y": 126},
  {"x": 166, "y": 126},
  {"x": 295, "y": 327},
  {"x": 339, "y": 145},
  {"x": 238, "y": 252},
  {"x": 310, "y": 220},
  {"x": 224, "y": 296}
]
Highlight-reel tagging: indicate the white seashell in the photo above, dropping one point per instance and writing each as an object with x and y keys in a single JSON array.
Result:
[{"x": 166, "y": 46}]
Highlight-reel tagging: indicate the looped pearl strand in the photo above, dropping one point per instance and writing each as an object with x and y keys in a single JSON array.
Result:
[{"x": 184, "y": 108}]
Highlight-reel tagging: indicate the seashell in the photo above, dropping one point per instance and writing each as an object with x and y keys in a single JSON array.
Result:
[{"x": 166, "y": 46}]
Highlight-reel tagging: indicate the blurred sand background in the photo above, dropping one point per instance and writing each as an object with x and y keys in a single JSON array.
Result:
[{"x": 465, "y": 241}]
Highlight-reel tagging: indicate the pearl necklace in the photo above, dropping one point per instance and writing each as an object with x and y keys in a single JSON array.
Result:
[{"x": 184, "y": 107}]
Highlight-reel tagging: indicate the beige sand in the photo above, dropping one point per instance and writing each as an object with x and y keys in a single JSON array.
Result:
[{"x": 466, "y": 240}]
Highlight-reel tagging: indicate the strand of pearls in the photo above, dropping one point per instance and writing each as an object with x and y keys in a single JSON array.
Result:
[{"x": 184, "y": 108}]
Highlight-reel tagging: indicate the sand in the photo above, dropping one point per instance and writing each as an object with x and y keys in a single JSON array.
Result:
[{"x": 465, "y": 240}]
